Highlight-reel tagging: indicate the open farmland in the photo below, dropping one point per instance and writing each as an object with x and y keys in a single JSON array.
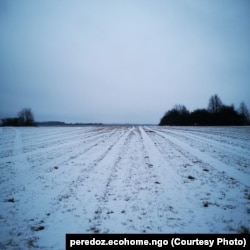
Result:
[{"x": 121, "y": 179}]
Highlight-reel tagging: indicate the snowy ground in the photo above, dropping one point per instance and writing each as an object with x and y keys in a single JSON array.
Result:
[{"x": 58, "y": 180}]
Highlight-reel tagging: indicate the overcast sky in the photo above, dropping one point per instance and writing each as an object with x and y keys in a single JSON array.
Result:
[{"x": 121, "y": 61}]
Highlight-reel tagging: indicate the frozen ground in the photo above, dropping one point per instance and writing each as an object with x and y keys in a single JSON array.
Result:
[{"x": 58, "y": 180}]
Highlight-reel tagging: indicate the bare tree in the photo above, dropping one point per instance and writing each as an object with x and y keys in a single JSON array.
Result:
[
  {"x": 25, "y": 117},
  {"x": 181, "y": 109},
  {"x": 214, "y": 104},
  {"x": 244, "y": 113}
]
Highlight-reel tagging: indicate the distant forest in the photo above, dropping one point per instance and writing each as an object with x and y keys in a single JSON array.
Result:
[
  {"x": 216, "y": 114},
  {"x": 24, "y": 117}
]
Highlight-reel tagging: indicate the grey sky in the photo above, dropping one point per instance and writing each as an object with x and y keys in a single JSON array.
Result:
[{"x": 121, "y": 60}]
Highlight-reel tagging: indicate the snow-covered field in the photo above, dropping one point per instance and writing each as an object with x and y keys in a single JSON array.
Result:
[{"x": 121, "y": 179}]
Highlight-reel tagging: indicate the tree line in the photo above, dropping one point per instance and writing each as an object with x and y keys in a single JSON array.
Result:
[
  {"x": 216, "y": 114},
  {"x": 24, "y": 117}
]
